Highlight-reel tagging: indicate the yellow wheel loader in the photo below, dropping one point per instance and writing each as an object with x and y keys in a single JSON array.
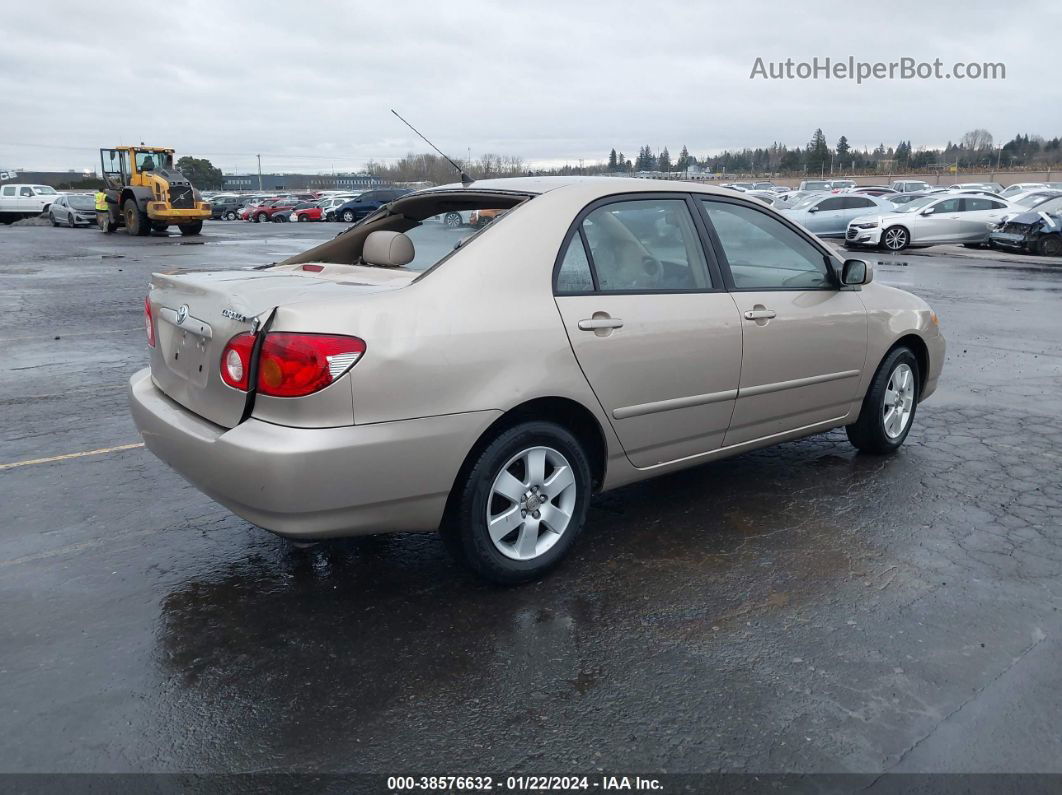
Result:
[{"x": 146, "y": 192}]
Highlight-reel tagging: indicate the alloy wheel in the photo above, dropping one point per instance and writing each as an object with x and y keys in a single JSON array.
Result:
[
  {"x": 895, "y": 239},
  {"x": 531, "y": 503},
  {"x": 899, "y": 401}
]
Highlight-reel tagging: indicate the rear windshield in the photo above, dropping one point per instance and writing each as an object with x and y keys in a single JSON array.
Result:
[
  {"x": 81, "y": 202},
  {"x": 439, "y": 235}
]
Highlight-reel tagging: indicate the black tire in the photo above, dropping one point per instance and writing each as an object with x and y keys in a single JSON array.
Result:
[
  {"x": 1050, "y": 246},
  {"x": 330, "y": 216},
  {"x": 231, "y": 215},
  {"x": 465, "y": 528},
  {"x": 260, "y": 217},
  {"x": 869, "y": 433},
  {"x": 348, "y": 216},
  {"x": 279, "y": 218},
  {"x": 302, "y": 218},
  {"x": 137, "y": 223},
  {"x": 70, "y": 221},
  {"x": 194, "y": 228},
  {"x": 51, "y": 217},
  {"x": 902, "y": 238},
  {"x": 452, "y": 220}
]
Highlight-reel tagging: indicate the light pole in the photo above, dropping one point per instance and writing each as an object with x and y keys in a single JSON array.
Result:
[{"x": 259, "y": 173}]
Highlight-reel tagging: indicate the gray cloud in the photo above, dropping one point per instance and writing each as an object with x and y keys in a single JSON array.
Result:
[{"x": 309, "y": 84}]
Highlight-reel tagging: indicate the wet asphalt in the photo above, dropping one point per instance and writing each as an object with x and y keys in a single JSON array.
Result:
[{"x": 802, "y": 608}]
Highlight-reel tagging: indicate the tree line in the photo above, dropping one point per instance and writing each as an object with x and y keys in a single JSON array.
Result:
[{"x": 976, "y": 148}]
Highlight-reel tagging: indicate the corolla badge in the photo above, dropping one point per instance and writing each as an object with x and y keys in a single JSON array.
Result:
[{"x": 182, "y": 314}]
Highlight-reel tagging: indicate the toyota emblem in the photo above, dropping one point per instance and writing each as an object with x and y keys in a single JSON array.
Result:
[{"x": 182, "y": 314}]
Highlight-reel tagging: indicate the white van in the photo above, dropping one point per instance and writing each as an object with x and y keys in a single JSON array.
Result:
[{"x": 24, "y": 201}]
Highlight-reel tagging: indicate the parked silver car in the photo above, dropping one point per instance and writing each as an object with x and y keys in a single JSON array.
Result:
[
  {"x": 410, "y": 376},
  {"x": 827, "y": 215},
  {"x": 930, "y": 220}
]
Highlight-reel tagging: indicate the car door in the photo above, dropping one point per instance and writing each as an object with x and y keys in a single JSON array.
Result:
[
  {"x": 826, "y": 217},
  {"x": 655, "y": 333},
  {"x": 9, "y": 198},
  {"x": 804, "y": 338},
  {"x": 979, "y": 216},
  {"x": 26, "y": 202},
  {"x": 939, "y": 222},
  {"x": 855, "y": 206}
]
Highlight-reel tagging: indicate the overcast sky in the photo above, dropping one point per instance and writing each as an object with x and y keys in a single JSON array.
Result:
[{"x": 309, "y": 84}]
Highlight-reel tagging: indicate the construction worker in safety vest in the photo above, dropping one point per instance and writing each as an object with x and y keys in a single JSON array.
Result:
[{"x": 103, "y": 215}]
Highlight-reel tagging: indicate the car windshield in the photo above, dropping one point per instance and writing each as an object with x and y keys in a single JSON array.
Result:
[
  {"x": 1033, "y": 200},
  {"x": 916, "y": 204},
  {"x": 1050, "y": 206},
  {"x": 81, "y": 202},
  {"x": 816, "y": 185},
  {"x": 44, "y": 190}
]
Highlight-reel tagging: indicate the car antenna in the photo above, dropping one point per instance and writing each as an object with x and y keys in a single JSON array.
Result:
[{"x": 465, "y": 179}]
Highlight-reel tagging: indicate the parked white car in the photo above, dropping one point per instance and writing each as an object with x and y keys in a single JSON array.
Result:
[
  {"x": 909, "y": 185},
  {"x": 1022, "y": 187},
  {"x": 929, "y": 221},
  {"x": 24, "y": 201}
]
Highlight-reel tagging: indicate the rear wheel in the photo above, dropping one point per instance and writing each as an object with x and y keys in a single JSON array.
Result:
[
  {"x": 889, "y": 406},
  {"x": 1050, "y": 246},
  {"x": 348, "y": 216},
  {"x": 521, "y": 505},
  {"x": 453, "y": 220},
  {"x": 136, "y": 222},
  {"x": 193, "y": 228}
]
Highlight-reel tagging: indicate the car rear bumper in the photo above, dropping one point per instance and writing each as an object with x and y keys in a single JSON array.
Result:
[{"x": 313, "y": 482}]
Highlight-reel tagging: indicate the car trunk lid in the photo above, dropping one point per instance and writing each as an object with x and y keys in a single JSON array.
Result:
[{"x": 197, "y": 313}]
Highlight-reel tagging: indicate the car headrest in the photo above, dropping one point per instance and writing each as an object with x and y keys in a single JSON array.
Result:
[{"x": 387, "y": 249}]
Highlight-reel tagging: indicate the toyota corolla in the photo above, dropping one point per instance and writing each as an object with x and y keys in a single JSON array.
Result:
[{"x": 409, "y": 375}]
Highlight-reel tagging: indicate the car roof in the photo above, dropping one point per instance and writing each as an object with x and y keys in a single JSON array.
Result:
[{"x": 591, "y": 187}]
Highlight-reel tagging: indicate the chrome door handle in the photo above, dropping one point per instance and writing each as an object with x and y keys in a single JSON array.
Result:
[
  {"x": 760, "y": 314},
  {"x": 597, "y": 323}
]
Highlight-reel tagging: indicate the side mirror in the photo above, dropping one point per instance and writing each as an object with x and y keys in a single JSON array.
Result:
[
  {"x": 856, "y": 272},
  {"x": 813, "y": 209},
  {"x": 928, "y": 211}
]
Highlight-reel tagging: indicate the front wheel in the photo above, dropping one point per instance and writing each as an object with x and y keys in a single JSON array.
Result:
[
  {"x": 1050, "y": 246},
  {"x": 348, "y": 216},
  {"x": 895, "y": 238},
  {"x": 889, "y": 406},
  {"x": 51, "y": 217},
  {"x": 521, "y": 505},
  {"x": 230, "y": 215},
  {"x": 260, "y": 218},
  {"x": 193, "y": 228},
  {"x": 453, "y": 220},
  {"x": 303, "y": 218},
  {"x": 137, "y": 223}
]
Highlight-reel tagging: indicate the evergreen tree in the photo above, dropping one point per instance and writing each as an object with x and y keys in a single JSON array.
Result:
[
  {"x": 842, "y": 148},
  {"x": 612, "y": 160},
  {"x": 663, "y": 163},
  {"x": 683, "y": 159},
  {"x": 818, "y": 152}
]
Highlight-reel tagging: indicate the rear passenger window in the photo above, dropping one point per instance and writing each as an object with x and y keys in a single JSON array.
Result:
[
  {"x": 9, "y": 190},
  {"x": 574, "y": 274},
  {"x": 831, "y": 204},
  {"x": 647, "y": 245}
]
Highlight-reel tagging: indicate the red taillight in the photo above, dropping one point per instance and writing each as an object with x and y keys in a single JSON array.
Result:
[
  {"x": 149, "y": 323},
  {"x": 236, "y": 361},
  {"x": 293, "y": 365}
]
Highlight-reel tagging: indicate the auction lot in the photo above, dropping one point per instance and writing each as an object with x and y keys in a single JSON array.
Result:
[{"x": 797, "y": 609}]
